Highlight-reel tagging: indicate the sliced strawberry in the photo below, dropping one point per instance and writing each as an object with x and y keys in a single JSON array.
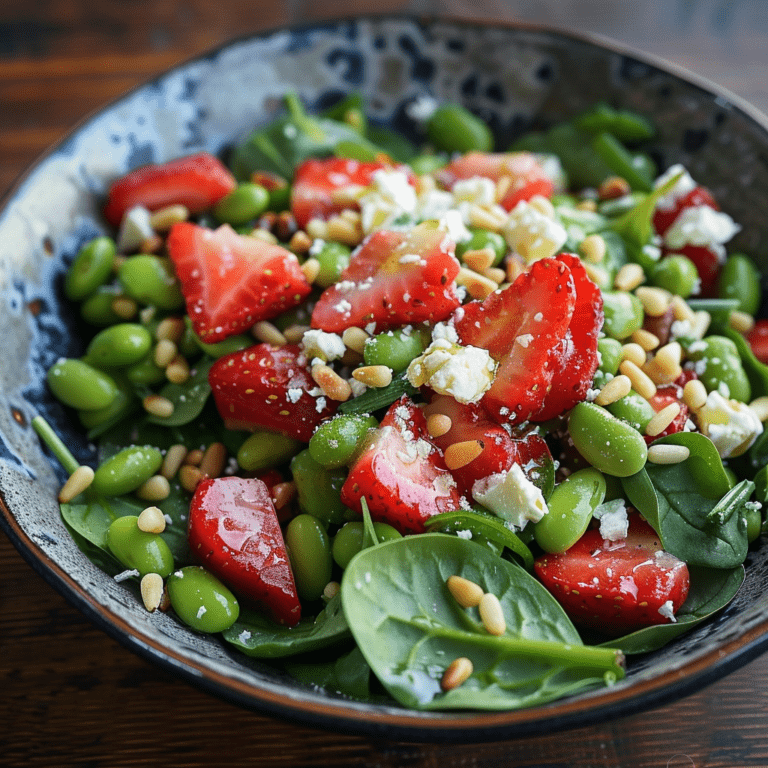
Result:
[
  {"x": 234, "y": 532},
  {"x": 401, "y": 474},
  {"x": 266, "y": 387},
  {"x": 196, "y": 181},
  {"x": 232, "y": 281},
  {"x": 579, "y": 361},
  {"x": 708, "y": 265},
  {"x": 393, "y": 279},
  {"x": 663, "y": 218},
  {"x": 616, "y": 587},
  {"x": 758, "y": 340},
  {"x": 524, "y": 328},
  {"x": 316, "y": 181},
  {"x": 526, "y": 174},
  {"x": 666, "y": 396}
]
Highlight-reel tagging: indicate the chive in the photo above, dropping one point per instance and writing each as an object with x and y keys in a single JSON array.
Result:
[
  {"x": 381, "y": 397},
  {"x": 55, "y": 445}
]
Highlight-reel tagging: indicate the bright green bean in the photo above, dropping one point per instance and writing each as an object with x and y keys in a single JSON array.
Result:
[
  {"x": 319, "y": 489},
  {"x": 675, "y": 273},
  {"x": 718, "y": 364},
  {"x": 623, "y": 314},
  {"x": 80, "y": 385},
  {"x": 264, "y": 450},
  {"x": 633, "y": 409},
  {"x": 242, "y": 204},
  {"x": 337, "y": 441},
  {"x": 121, "y": 344},
  {"x": 97, "y": 308},
  {"x": 201, "y": 601},
  {"x": 137, "y": 549},
  {"x": 484, "y": 238},
  {"x": 740, "y": 279},
  {"x": 127, "y": 470},
  {"x": 395, "y": 348},
  {"x": 348, "y": 540},
  {"x": 309, "y": 550},
  {"x": 90, "y": 269},
  {"x": 150, "y": 280},
  {"x": 333, "y": 258},
  {"x": 453, "y": 128}
]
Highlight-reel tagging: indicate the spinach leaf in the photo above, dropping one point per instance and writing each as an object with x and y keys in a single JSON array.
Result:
[
  {"x": 641, "y": 494},
  {"x": 687, "y": 492},
  {"x": 188, "y": 398},
  {"x": 176, "y": 507},
  {"x": 256, "y": 635},
  {"x": 711, "y": 590},
  {"x": 410, "y": 628},
  {"x": 757, "y": 372},
  {"x": 348, "y": 675},
  {"x": 91, "y": 518}
]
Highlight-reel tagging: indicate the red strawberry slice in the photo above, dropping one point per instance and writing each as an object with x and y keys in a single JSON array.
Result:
[
  {"x": 316, "y": 181},
  {"x": 232, "y": 281},
  {"x": 616, "y": 586},
  {"x": 197, "y": 181},
  {"x": 758, "y": 340},
  {"x": 401, "y": 474},
  {"x": 393, "y": 279},
  {"x": 526, "y": 174},
  {"x": 234, "y": 532},
  {"x": 664, "y": 218},
  {"x": 266, "y": 387},
  {"x": 523, "y": 327},
  {"x": 708, "y": 265},
  {"x": 579, "y": 361}
]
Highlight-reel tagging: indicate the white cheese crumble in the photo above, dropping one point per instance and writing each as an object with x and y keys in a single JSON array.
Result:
[
  {"x": 389, "y": 196},
  {"x": 511, "y": 496},
  {"x": 667, "y": 610},
  {"x": 684, "y": 185},
  {"x": 731, "y": 425},
  {"x": 533, "y": 235},
  {"x": 326, "y": 346},
  {"x": 135, "y": 228},
  {"x": 614, "y": 521},
  {"x": 701, "y": 226}
]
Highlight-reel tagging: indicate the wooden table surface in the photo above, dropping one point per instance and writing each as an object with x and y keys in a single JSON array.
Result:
[{"x": 69, "y": 695}]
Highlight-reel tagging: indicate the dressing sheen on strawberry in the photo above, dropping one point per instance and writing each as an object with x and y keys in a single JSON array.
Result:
[
  {"x": 234, "y": 532},
  {"x": 266, "y": 387},
  {"x": 393, "y": 279},
  {"x": 232, "y": 281},
  {"x": 616, "y": 586},
  {"x": 197, "y": 182},
  {"x": 523, "y": 327},
  {"x": 401, "y": 474}
]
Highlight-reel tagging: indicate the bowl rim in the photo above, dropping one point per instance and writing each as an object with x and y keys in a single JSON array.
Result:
[{"x": 390, "y": 721}]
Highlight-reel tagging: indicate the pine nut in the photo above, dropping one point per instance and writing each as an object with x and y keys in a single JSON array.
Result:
[
  {"x": 151, "y": 244},
  {"x": 77, "y": 482},
  {"x": 164, "y": 218},
  {"x": 213, "y": 461},
  {"x": 742, "y": 322},
  {"x": 151, "y": 520},
  {"x": 355, "y": 338},
  {"x": 178, "y": 371},
  {"x": 665, "y": 366},
  {"x": 502, "y": 187},
  {"x": 701, "y": 324},
  {"x": 593, "y": 248},
  {"x": 682, "y": 310},
  {"x": 264, "y": 235},
  {"x": 333, "y": 385},
  {"x": 694, "y": 394},
  {"x": 587, "y": 205},
  {"x": 662, "y": 419},
  {"x": 634, "y": 353},
  {"x": 668, "y": 454},
  {"x": 170, "y": 328},
  {"x": 479, "y": 260},
  {"x": 613, "y": 187},
  {"x": 629, "y": 277},
  {"x": 438, "y": 424},
  {"x": 614, "y": 390},
  {"x": 173, "y": 460},
  {"x": 373, "y": 375},
  {"x": 124, "y": 307},
  {"x": 485, "y": 219},
  {"x": 300, "y": 242},
  {"x": 317, "y": 229},
  {"x": 294, "y": 333},
  {"x": 347, "y": 195},
  {"x": 760, "y": 407},
  {"x": 147, "y": 314},
  {"x": 478, "y": 287},
  {"x": 647, "y": 340},
  {"x": 655, "y": 301},
  {"x": 460, "y": 454},
  {"x": 189, "y": 477},
  {"x": 492, "y": 615},
  {"x": 269, "y": 333},
  {"x": 458, "y": 672},
  {"x": 159, "y": 406},
  {"x": 311, "y": 269},
  {"x": 156, "y": 488},
  {"x": 331, "y": 589},
  {"x": 283, "y": 493},
  {"x": 194, "y": 457},
  {"x": 514, "y": 267},
  {"x": 496, "y": 274},
  {"x": 151, "y": 591},
  {"x": 342, "y": 230},
  {"x": 543, "y": 205},
  {"x": 165, "y": 351},
  {"x": 641, "y": 382},
  {"x": 597, "y": 274},
  {"x": 465, "y": 592}
]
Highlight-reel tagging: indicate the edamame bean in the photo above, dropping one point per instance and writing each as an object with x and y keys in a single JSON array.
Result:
[
  {"x": 121, "y": 344},
  {"x": 719, "y": 358},
  {"x": 80, "y": 385},
  {"x": 118, "y": 408},
  {"x": 264, "y": 450},
  {"x": 453, "y": 128},
  {"x": 395, "y": 349},
  {"x": 623, "y": 314},
  {"x": 740, "y": 279},
  {"x": 484, "y": 238},
  {"x": 570, "y": 509},
  {"x": 633, "y": 409},
  {"x": 754, "y": 524},
  {"x": 201, "y": 601},
  {"x": 145, "y": 372},
  {"x": 348, "y": 540},
  {"x": 137, "y": 549},
  {"x": 610, "y": 353},
  {"x": 319, "y": 489},
  {"x": 337, "y": 441},
  {"x": 150, "y": 280},
  {"x": 334, "y": 259},
  {"x": 675, "y": 273},
  {"x": 242, "y": 204},
  {"x": 607, "y": 443},
  {"x": 97, "y": 308},
  {"x": 424, "y": 164},
  {"x": 90, "y": 269},
  {"x": 309, "y": 550},
  {"x": 127, "y": 470}
]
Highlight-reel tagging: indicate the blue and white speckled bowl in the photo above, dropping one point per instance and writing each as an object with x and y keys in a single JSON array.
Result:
[{"x": 514, "y": 77}]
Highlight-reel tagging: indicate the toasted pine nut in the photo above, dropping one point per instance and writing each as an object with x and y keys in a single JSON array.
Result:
[
  {"x": 629, "y": 277},
  {"x": 460, "y": 454},
  {"x": 317, "y": 229},
  {"x": 147, "y": 314},
  {"x": 165, "y": 351},
  {"x": 587, "y": 205},
  {"x": 465, "y": 592},
  {"x": 457, "y": 672},
  {"x": 438, "y": 424},
  {"x": 478, "y": 286},
  {"x": 164, "y": 218},
  {"x": 665, "y": 366},
  {"x": 482, "y": 217},
  {"x": 294, "y": 333},
  {"x": 701, "y": 324},
  {"x": 264, "y": 235},
  {"x": 641, "y": 382},
  {"x": 156, "y": 488},
  {"x": 502, "y": 187},
  {"x": 151, "y": 244},
  {"x": 514, "y": 266},
  {"x": 373, "y": 375},
  {"x": 283, "y": 493},
  {"x": 492, "y": 615},
  {"x": 151, "y": 591},
  {"x": 77, "y": 482},
  {"x": 355, "y": 338},
  {"x": 615, "y": 389},
  {"x": 269, "y": 333},
  {"x": 760, "y": 406},
  {"x": 178, "y": 371},
  {"x": 311, "y": 269},
  {"x": 173, "y": 459},
  {"x": 124, "y": 307},
  {"x": 647, "y": 340},
  {"x": 496, "y": 274},
  {"x": 151, "y": 520},
  {"x": 593, "y": 248},
  {"x": 342, "y": 230},
  {"x": 170, "y": 328},
  {"x": 634, "y": 353},
  {"x": 682, "y": 310},
  {"x": 334, "y": 386},
  {"x": 300, "y": 242},
  {"x": 662, "y": 419},
  {"x": 543, "y": 205},
  {"x": 331, "y": 589},
  {"x": 480, "y": 259},
  {"x": 668, "y": 454},
  {"x": 194, "y": 457},
  {"x": 655, "y": 301},
  {"x": 694, "y": 394},
  {"x": 189, "y": 477},
  {"x": 159, "y": 406},
  {"x": 597, "y": 274},
  {"x": 742, "y": 322},
  {"x": 613, "y": 187},
  {"x": 213, "y": 461}
]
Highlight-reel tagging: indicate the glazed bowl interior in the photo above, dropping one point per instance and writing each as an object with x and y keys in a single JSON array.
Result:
[{"x": 514, "y": 77}]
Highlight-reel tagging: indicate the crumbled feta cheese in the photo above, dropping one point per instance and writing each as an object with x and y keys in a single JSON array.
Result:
[
  {"x": 422, "y": 108},
  {"x": 668, "y": 611},
  {"x": 684, "y": 185},
  {"x": 511, "y": 496},
  {"x": 464, "y": 534},
  {"x": 532, "y": 234},
  {"x": 614, "y": 522},
  {"x": 446, "y": 331},
  {"x": 701, "y": 225},
  {"x": 731, "y": 425},
  {"x": 123, "y": 575},
  {"x": 478, "y": 190},
  {"x": 453, "y": 224},
  {"x": 389, "y": 196},
  {"x": 466, "y": 373},
  {"x": 135, "y": 228},
  {"x": 319, "y": 344}
]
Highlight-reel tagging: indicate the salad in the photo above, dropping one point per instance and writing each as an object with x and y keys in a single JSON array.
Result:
[{"x": 459, "y": 427}]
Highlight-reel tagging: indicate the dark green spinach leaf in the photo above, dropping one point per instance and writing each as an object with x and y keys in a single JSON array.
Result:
[
  {"x": 348, "y": 675},
  {"x": 189, "y": 398}
]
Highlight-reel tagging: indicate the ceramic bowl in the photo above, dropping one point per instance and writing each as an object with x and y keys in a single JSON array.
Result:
[{"x": 515, "y": 78}]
